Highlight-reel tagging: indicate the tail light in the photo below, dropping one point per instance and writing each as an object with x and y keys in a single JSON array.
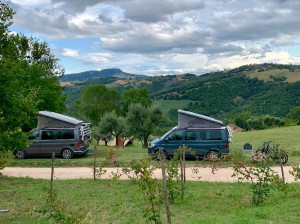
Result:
[
  {"x": 79, "y": 144},
  {"x": 227, "y": 146}
]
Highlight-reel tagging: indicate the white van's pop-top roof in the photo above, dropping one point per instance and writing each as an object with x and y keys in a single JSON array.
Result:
[
  {"x": 47, "y": 119},
  {"x": 187, "y": 119}
]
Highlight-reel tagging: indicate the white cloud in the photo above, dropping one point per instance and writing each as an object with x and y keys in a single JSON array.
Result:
[
  {"x": 178, "y": 35},
  {"x": 70, "y": 53},
  {"x": 31, "y": 3},
  {"x": 96, "y": 58}
]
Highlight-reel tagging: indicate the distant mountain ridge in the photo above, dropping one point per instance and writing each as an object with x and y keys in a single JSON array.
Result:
[{"x": 105, "y": 73}]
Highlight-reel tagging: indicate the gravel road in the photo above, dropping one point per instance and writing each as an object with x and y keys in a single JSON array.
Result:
[{"x": 203, "y": 174}]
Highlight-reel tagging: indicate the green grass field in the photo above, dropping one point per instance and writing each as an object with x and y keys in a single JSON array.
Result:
[
  {"x": 121, "y": 202},
  {"x": 265, "y": 75},
  {"x": 287, "y": 137}
]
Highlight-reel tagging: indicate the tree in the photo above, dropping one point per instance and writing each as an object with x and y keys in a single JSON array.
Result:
[
  {"x": 294, "y": 114},
  {"x": 97, "y": 100},
  {"x": 143, "y": 120},
  {"x": 112, "y": 124},
  {"x": 28, "y": 83},
  {"x": 100, "y": 136},
  {"x": 134, "y": 96},
  {"x": 242, "y": 120}
]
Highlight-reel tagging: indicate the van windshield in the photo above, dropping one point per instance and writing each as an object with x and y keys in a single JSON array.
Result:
[{"x": 165, "y": 135}]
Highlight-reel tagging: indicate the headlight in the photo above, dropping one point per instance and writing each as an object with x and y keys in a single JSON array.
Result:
[{"x": 151, "y": 145}]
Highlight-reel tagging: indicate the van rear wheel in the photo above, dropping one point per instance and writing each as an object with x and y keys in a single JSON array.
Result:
[{"x": 67, "y": 153}]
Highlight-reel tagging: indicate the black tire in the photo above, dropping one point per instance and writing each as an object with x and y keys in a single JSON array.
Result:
[
  {"x": 258, "y": 151},
  {"x": 212, "y": 156},
  {"x": 67, "y": 154},
  {"x": 157, "y": 156},
  {"x": 20, "y": 154},
  {"x": 281, "y": 158}
]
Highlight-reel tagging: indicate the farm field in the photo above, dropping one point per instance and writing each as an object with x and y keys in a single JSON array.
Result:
[
  {"x": 118, "y": 202},
  {"x": 265, "y": 75},
  {"x": 287, "y": 137}
]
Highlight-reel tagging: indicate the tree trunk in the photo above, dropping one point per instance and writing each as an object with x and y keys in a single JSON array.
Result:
[
  {"x": 145, "y": 144},
  {"x": 117, "y": 139}
]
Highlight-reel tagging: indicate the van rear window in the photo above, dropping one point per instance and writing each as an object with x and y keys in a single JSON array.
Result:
[
  {"x": 214, "y": 135},
  {"x": 203, "y": 135},
  {"x": 57, "y": 134}
]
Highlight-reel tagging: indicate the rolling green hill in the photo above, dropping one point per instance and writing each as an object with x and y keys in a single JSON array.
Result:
[{"x": 259, "y": 89}]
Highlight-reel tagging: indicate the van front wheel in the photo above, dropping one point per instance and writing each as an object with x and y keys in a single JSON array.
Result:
[
  {"x": 212, "y": 156},
  {"x": 158, "y": 157},
  {"x": 67, "y": 153},
  {"x": 20, "y": 154}
]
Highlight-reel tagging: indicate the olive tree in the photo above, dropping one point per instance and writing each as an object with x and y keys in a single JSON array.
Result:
[
  {"x": 112, "y": 125},
  {"x": 143, "y": 120}
]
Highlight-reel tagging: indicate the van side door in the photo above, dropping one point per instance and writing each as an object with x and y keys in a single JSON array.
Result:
[
  {"x": 193, "y": 139},
  {"x": 49, "y": 142}
]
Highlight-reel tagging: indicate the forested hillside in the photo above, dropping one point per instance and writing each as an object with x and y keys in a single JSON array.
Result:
[{"x": 223, "y": 94}]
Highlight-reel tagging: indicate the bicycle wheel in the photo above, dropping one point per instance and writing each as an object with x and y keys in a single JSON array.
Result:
[{"x": 281, "y": 158}]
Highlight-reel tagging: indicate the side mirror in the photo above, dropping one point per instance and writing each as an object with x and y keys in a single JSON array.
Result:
[{"x": 31, "y": 137}]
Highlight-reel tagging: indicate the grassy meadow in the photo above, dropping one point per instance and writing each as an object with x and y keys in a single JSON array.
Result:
[
  {"x": 121, "y": 202},
  {"x": 265, "y": 75},
  {"x": 287, "y": 137}
]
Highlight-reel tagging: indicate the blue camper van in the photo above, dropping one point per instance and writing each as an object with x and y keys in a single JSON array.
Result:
[{"x": 205, "y": 136}]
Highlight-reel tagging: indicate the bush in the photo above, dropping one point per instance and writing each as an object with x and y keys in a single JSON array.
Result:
[{"x": 5, "y": 157}]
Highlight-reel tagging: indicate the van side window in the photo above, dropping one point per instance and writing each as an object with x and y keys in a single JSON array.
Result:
[
  {"x": 192, "y": 135},
  {"x": 57, "y": 134},
  {"x": 176, "y": 135},
  {"x": 213, "y": 135},
  {"x": 46, "y": 135}
]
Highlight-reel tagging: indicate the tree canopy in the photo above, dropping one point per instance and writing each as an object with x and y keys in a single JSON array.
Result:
[
  {"x": 112, "y": 125},
  {"x": 134, "y": 96},
  {"x": 143, "y": 120},
  {"x": 28, "y": 82},
  {"x": 97, "y": 100}
]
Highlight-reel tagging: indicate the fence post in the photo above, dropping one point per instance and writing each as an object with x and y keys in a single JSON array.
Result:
[
  {"x": 165, "y": 188},
  {"x": 282, "y": 172},
  {"x": 95, "y": 148},
  {"x": 51, "y": 179}
]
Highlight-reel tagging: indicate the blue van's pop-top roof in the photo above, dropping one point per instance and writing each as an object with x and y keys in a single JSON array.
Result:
[{"x": 187, "y": 119}]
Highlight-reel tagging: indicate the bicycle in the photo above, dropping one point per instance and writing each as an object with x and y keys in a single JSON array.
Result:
[{"x": 279, "y": 156}]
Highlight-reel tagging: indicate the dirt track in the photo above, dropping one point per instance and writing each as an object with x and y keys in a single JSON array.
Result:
[{"x": 204, "y": 174}]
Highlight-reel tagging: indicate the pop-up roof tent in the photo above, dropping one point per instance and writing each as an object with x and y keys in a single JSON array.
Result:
[
  {"x": 47, "y": 119},
  {"x": 187, "y": 119}
]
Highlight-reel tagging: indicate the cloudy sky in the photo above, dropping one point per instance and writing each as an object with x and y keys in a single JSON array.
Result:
[{"x": 154, "y": 37}]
